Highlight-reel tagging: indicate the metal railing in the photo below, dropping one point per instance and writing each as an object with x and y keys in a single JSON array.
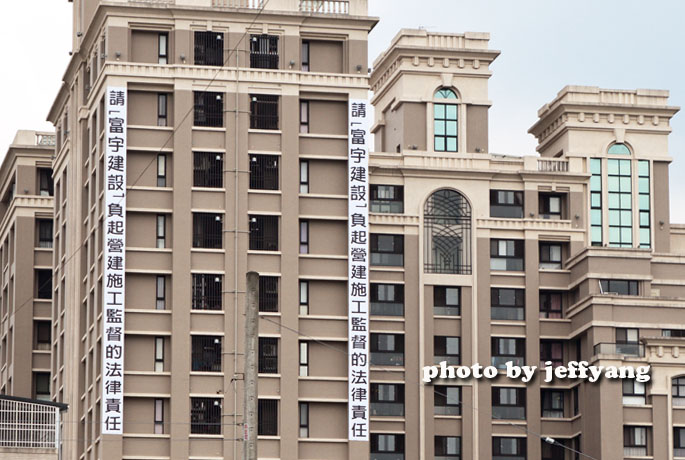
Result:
[
  {"x": 264, "y": 233},
  {"x": 26, "y": 425},
  {"x": 207, "y": 292},
  {"x": 387, "y": 206},
  {"x": 209, "y": 48},
  {"x": 264, "y": 112},
  {"x": 451, "y": 360},
  {"x": 208, "y": 109},
  {"x": 268, "y": 293},
  {"x": 447, "y": 410},
  {"x": 634, "y": 451},
  {"x": 387, "y": 358},
  {"x": 387, "y": 409},
  {"x": 507, "y": 313},
  {"x": 679, "y": 452},
  {"x": 46, "y": 139},
  {"x": 268, "y": 355},
  {"x": 264, "y": 172},
  {"x": 627, "y": 349},
  {"x": 500, "y": 362},
  {"x": 239, "y": 3},
  {"x": 325, "y": 6},
  {"x": 205, "y": 416},
  {"x": 387, "y": 308},
  {"x": 508, "y": 412}
]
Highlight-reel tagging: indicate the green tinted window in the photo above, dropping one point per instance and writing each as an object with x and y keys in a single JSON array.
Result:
[
  {"x": 619, "y": 184},
  {"x": 644, "y": 203},
  {"x": 619, "y": 149}
]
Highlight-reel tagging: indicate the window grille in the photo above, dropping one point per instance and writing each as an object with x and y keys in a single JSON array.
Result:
[
  {"x": 209, "y": 109},
  {"x": 264, "y": 233},
  {"x": 267, "y": 417},
  {"x": 207, "y": 292},
  {"x": 45, "y": 233},
  {"x": 268, "y": 355},
  {"x": 205, "y": 416},
  {"x": 46, "y": 185},
  {"x": 263, "y": 112},
  {"x": 206, "y": 353},
  {"x": 208, "y": 170},
  {"x": 209, "y": 48},
  {"x": 264, "y": 51},
  {"x": 44, "y": 284},
  {"x": 162, "y": 109},
  {"x": 447, "y": 224},
  {"x": 264, "y": 172},
  {"x": 268, "y": 293},
  {"x": 26, "y": 425},
  {"x": 207, "y": 230}
]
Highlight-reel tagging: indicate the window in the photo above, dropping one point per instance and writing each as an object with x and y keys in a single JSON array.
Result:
[
  {"x": 264, "y": 51},
  {"x": 508, "y": 448},
  {"x": 635, "y": 441},
  {"x": 208, "y": 169},
  {"x": 644, "y": 204},
  {"x": 447, "y": 238},
  {"x": 387, "y": 299},
  {"x": 304, "y": 420},
  {"x": 556, "y": 451},
  {"x": 207, "y": 230},
  {"x": 550, "y": 256},
  {"x": 448, "y": 448},
  {"x": 45, "y": 184},
  {"x": 206, "y": 354},
  {"x": 159, "y": 354},
  {"x": 678, "y": 391},
  {"x": 304, "y": 176},
  {"x": 304, "y": 117},
  {"x": 508, "y": 403},
  {"x": 209, "y": 109},
  {"x": 673, "y": 332},
  {"x": 447, "y": 349},
  {"x": 634, "y": 392},
  {"x": 268, "y": 355},
  {"x": 387, "y": 446},
  {"x": 264, "y": 172},
  {"x": 679, "y": 441},
  {"x": 304, "y": 297},
  {"x": 619, "y": 187},
  {"x": 268, "y": 293},
  {"x": 263, "y": 112},
  {"x": 387, "y": 350},
  {"x": 506, "y": 255},
  {"x": 619, "y": 287},
  {"x": 552, "y": 403},
  {"x": 446, "y": 300},
  {"x": 43, "y": 284},
  {"x": 505, "y": 349},
  {"x": 205, "y": 416},
  {"x": 387, "y": 399},
  {"x": 162, "y": 115},
  {"x": 551, "y": 350},
  {"x": 159, "y": 416},
  {"x": 507, "y": 304},
  {"x": 619, "y": 149},
  {"x": 387, "y": 250},
  {"x": 41, "y": 386},
  {"x": 264, "y": 233},
  {"x": 550, "y": 205},
  {"x": 305, "y": 56},
  {"x": 161, "y": 231},
  {"x": 304, "y": 359},
  {"x": 446, "y": 400},
  {"x": 304, "y": 237},
  {"x": 506, "y": 203},
  {"x": 596, "y": 201},
  {"x": 387, "y": 199},
  {"x": 445, "y": 121},
  {"x": 163, "y": 48},
  {"x": 161, "y": 170},
  {"x": 209, "y": 48},
  {"x": 267, "y": 421},
  {"x": 45, "y": 233},
  {"x": 550, "y": 305},
  {"x": 207, "y": 292},
  {"x": 628, "y": 341},
  {"x": 43, "y": 334},
  {"x": 160, "y": 292}
]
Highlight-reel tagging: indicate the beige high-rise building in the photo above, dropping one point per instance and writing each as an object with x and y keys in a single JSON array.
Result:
[{"x": 234, "y": 119}]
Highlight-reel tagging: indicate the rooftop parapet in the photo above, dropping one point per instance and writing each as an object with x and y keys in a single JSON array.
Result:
[
  {"x": 28, "y": 138},
  {"x": 346, "y": 7}
]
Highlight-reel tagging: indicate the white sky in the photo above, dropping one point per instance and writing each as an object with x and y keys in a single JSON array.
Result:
[{"x": 545, "y": 44}]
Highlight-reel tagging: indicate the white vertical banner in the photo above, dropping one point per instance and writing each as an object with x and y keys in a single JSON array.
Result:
[
  {"x": 112, "y": 400},
  {"x": 358, "y": 270}
]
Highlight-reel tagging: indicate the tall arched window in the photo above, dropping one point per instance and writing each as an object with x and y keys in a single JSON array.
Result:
[
  {"x": 447, "y": 227},
  {"x": 445, "y": 121}
]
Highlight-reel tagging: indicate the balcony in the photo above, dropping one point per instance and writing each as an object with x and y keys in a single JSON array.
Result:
[
  {"x": 353, "y": 7},
  {"x": 625, "y": 349}
]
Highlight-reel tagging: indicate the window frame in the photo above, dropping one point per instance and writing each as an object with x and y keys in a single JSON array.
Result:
[
  {"x": 519, "y": 393},
  {"x": 547, "y": 259},
  {"x": 162, "y": 109},
  {"x": 304, "y": 236},
  {"x": 442, "y": 398},
  {"x": 546, "y": 305},
  {"x": 521, "y": 447},
  {"x": 444, "y": 104},
  {"x": 548, "y": 409},
  {"x": 158, "y": 416},
  {"x": 161, "y": 231},
  {"x": 386, "y": 298},
  {"x": 268, "y": 362},
  {"x": 518, "y": 257},
  {"x": 304, "y": 117},
  {"x": 304, "y": 176},
  {"x": 160, "y": 292},
  {"x": 384, "y": 258},
  {"x": 392, "y": 205},
  {"x": 500, "y": 209},
  {"x": 161, "y": 170},
  {"x": 497, "y": 295},
  {"x": 441, "y": 350},
  {"x": 163, "y": 48}
]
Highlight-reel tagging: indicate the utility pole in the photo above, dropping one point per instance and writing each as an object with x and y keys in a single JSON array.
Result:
[{"x": 251, "y": 344}]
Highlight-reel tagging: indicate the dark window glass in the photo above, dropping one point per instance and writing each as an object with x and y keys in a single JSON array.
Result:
[
  {"x": 387, "y": 399},
  {"x": 506, "y": 255},
  {"x": 163, "y": 48},
  {"x": 209, "y": 109},
  {"x": 162, "y": 109},
  {"x": 387, "y": 250},
  {"x": 551, "y": 205},
  {"x": 45, "y": 233},
  {"x": 448, "y": 447},
  {"x": 550, "y": 255},
  {"x": 552, "y": 403},
  {"x": 45, "y": 184},
  {"x": 43, "y": 333},
  {"x": 305, "y": 56},
  {"x": 209, "y": 48},
  {"x": 263, "y": 112},
  {"x": 41, "y": 385},
  {"x": 205, "y": 416},
  {"x": 635, "y": 441},
  {"x": 673, "y": 332},
  {"x": 387, "y": 349},
  {"x": 206, "y": 353},
  {"x": 207, "y": 292},
  {"x": 44, "y": 284},
  {"x": 268, "y": 293},
  {"x": 506, "y": 203},
  {"x": 264, "y": 233},
  {"x": 507, "y": 304},
  {"x": 447, "y": 349},
  {"x": 505, "y": 349},
  {"x": 385, "y": 444},
  {"x": 551, "y": 350},
  {"x": 387, "y": 299},
  {"x": 208, "y": 169},
  {"x": 207, "y": 230},
  {"x": 620, "y": 287},
  {"x": 508, "y": 448},
  {"x": 387, "y": 199},
  {"x": 446, "y": 300},
  {"x": 264, "y": 172},
  {"x": 264, "y": 51},
  {"x": 508, "y": 403},
  {"x": 550, "y": 304},
  {"x": 267, "y": 413},
  {"x": 268, "y": 355},
  {"x": 447, "y": 400}
]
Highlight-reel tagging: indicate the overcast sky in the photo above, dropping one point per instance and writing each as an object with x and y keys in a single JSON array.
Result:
[{"x": 545, "y": 45}]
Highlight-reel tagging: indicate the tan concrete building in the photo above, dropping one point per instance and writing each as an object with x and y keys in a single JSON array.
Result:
[
  {"x": 26, "y": 255},
  {"x": 236, "y": 150}
]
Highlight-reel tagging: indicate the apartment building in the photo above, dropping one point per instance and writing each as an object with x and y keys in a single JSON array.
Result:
[
  {"x": 26, "y": 255},
  {"x": 198, "y": 140}
]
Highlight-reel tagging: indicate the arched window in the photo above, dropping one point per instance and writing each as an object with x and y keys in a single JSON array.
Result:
[
  {"x": 445, "y": 121},
  {"x": 619, "y": 149},
  {"x": 447, "y": 227}
]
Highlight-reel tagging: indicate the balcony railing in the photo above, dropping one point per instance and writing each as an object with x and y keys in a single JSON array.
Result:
[
  {"x": 679, "y": 452},
  {"x": 325, "y": 6},
  {"x": 447, "y": 410},
  {"x": 27, "y": 425},
  {"x": 549, "y": 165},
  {"x": 508, "y": 413},
  {"x": 626, "y": 349},
  {"x": 387, "y": 409},
  {"x": 387, "y": 308},
  {"x": 451, "y": 360},
  {"x": 386, "y": 456}
]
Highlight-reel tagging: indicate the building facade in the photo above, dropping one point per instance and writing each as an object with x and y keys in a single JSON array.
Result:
[
  {"x": 233, "y": 117},
  {"x": 26, "y": 254}
]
